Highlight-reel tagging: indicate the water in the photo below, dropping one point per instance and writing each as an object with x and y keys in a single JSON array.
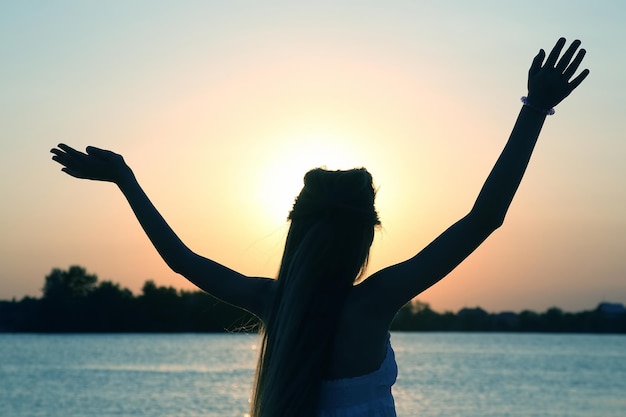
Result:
[{"x": 441, "y": 374}]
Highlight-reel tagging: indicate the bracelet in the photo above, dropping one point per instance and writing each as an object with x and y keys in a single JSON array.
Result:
[{"x": 548, "y": 112}]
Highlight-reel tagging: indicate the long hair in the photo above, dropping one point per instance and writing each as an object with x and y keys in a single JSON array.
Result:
[{"x": 327, "y": 249}]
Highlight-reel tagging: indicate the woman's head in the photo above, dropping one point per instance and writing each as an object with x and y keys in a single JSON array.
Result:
[
  {"x": 337, "y": 195},
  {"x": 342, "y": 201},
  {"x": 327, "y": 248}
]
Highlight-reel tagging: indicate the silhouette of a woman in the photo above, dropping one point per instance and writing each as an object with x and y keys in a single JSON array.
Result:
[{"x": 325, "y": 349}]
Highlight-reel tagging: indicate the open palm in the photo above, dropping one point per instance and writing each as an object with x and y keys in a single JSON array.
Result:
[
  {"x": 95, "y": 164},
  {"x": 549, "y": 83}
]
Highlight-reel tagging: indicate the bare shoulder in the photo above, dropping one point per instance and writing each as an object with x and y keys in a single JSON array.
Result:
[{"x": 392, "y": 287}]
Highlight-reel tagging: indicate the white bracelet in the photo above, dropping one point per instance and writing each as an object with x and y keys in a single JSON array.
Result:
[{"x": 548, "y": 112}]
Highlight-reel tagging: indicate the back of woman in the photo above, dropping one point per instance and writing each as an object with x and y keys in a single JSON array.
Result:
[
  {"x": 327, "y": 248},
  {"x": 362, "y": 367}
]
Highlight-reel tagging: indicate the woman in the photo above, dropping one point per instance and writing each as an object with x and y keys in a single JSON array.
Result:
[{"x": 325, "y": 349}]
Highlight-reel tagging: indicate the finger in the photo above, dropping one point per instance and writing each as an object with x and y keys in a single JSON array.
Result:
[
  {"x": 72, "y": 173},
  {"x": 576, "y": 81},
  {"x": 67, "y": 159},
  {"x": 56, "y": 151},
  {"x": 101, "y": 153},
  {"x": 567, "y": 56},
  {"x": 93, "y": 150},
  {"x": 56, "y": 159},
  {"x": 574, "y": 65},
  {"x": 554, "y": 54},
  {"x": 536, "y": 64},
  {"x": 69, "y": 150},
  {"x": 64, "y": 147},
  {"x": 61, "y": 158}
]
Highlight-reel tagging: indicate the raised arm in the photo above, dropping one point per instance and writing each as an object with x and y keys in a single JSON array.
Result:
[
  {"x": 548, "y": 84},
  {"x": 218, "y": 280}
]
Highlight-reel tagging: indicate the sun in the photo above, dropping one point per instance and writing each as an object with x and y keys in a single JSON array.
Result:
[{"x": 282, "y": 179}]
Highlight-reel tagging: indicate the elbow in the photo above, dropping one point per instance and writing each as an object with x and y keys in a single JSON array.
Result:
[
  {"x": 487, "y": 221},
  {"x": 178, "y": 262},
  {"x": 176, "y": 267},
  {"x": 496, "y": 224}
]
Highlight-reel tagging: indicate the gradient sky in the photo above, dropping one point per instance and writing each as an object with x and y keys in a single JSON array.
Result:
[{"x": 221, "y": 107}]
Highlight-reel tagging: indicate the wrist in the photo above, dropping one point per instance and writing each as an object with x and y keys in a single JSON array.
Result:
[
  {"x": 124, "y": 177},
  {"x": 528, "y": 102}
]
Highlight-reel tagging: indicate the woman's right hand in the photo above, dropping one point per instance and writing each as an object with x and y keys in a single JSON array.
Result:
[{"x": 96, "y": 164}]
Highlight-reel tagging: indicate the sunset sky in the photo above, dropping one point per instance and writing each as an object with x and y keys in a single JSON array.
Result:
[{"x": 221, "y": 107}]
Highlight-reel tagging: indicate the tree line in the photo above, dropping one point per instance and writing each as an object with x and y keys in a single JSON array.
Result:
[{"x": 75, "y": 301}]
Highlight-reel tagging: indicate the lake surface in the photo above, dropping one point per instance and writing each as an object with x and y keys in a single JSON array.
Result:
[{"x": 440, "y": 374}]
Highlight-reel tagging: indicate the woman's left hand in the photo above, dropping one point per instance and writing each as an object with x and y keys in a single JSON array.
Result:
[{"x": 549, "y": 83}]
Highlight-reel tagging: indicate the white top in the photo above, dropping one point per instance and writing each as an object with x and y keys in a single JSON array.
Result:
[{"x": 367, "y": 395}]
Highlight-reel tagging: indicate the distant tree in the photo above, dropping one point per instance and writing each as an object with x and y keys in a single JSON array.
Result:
[
  {"x": 161, "y": 308},
  {"x": 108, "y": 292},
  {"x": 65, "y": 305},
  {"x": 73, "y": 283},
  {"x": 424, "y": 318},
  {"x": 74, "y": 301},
  {"x": 553, "y": 320},
  {"x": 112, "y": 308},
  {"x": 416, "y": 306},
  {"x": 473, "y": 319},
  {"x": 529, "y": 321},
  {"x": 418, "y": 316}
]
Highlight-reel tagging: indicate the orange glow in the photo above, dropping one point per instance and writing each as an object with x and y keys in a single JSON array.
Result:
[
  {"x": 223, "y": 113},
  {"x": 280, "y": 180}
]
